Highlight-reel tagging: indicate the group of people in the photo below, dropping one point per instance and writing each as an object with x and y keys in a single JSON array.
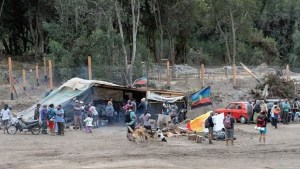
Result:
[
  {"x": 228, "y": 122},
  {"x": 131, "y": 119},
  {"x": 50, "y": 117},
  {"x": 283, "y": 110}
]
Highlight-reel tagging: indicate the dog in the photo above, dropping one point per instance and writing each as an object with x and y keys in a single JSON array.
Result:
[
  {"x": 160, "y": 136},
  {"x": 140, "y": 134}
]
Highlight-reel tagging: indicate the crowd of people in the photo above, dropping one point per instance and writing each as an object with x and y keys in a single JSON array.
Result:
[
  {"x": 259, "y": 112},
  {"x": 282, "y": 111}
]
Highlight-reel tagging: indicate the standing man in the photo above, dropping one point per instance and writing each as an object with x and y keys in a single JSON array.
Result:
[
  {"x": 133, "y": 104},
  {"x": 142, "y": 107},
  {"x": 6, "y": 115},
  {"x": 249, "y": 111},
  {"x": 229, "y": 128},
  {"x": 210, "y": 127},
  {"x": 51, "y": 115},
  {"x": 59, "y": 119},
  {"x": 43, "y": 119},
  {"x": 37, "y": 112},
  {"x": 286, "y": 109},
  {"x": 295, "y": 107},
  {"x": 77, "y": 115}
]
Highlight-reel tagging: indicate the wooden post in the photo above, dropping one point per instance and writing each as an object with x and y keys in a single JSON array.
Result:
[
  {"x": 24, "y": 79},
  {"x": 168, "y": 73},
  {"x": 50, "y": 75},
  {"x": 202, "y": 75},
  {"x": 10, "y": 79},
  {"x": 287, "y": 72},
  {"x": 234, "y": 75},
  {"x": 45, "y": 69},
  {"x": 90, "y": 67},
  {"x": 37, "y": 74}
]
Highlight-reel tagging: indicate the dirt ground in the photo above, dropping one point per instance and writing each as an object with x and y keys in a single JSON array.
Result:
[{"x": 108, "y": 147}]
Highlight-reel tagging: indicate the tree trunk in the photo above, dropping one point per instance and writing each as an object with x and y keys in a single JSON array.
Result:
[
  {"x": 7, "y": 49},
  {"x": 1, "y": 8},
  {"x": 233, "y": 37},
  {"x": 135, "y": 23},
  {"x": 224, "y": 34},
  {"x": 157, "y": 18},
  {"x": 123, "y": 41}
]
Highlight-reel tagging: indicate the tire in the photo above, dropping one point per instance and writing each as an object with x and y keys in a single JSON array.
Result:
[
  {"x": 36, "y": 130},
  {"x": 12, "y": 129},
  {"x": 243, "y": 120}
]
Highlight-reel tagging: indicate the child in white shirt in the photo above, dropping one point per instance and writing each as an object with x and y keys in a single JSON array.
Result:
[{"x": 89, "y": 124}]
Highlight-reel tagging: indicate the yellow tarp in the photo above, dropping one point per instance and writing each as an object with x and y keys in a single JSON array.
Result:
[{"x": 198, "y": 123}]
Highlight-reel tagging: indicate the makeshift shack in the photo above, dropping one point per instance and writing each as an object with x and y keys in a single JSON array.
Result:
[{"x": 99, "y": 92}]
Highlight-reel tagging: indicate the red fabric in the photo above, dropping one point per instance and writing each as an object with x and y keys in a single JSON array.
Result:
[{"x": 50, "y": 124}]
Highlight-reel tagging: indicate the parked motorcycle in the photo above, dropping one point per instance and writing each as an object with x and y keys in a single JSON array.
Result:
[
  {"x": 21, "y": 125},
  {"x": 180, "y": 117}
]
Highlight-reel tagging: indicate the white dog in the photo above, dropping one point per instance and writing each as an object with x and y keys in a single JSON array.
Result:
[{"x": 161, "y": 136}]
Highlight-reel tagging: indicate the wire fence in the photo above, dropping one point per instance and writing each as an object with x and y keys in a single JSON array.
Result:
[{"x": 156, "y": 74}]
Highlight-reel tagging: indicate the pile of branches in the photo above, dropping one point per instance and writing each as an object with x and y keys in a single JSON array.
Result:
[{"x": 278, "y": 86}]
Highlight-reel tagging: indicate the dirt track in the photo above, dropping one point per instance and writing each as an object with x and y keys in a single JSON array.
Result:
[{"x": 107, "y": 147}]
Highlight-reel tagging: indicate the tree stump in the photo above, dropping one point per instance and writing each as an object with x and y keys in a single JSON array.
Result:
[{"x": 192, "y": 137}]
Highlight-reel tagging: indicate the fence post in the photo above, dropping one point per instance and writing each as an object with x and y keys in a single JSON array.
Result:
[
  {"x": 10, "y": 79},
  {"x": 50, "y": 75},
  {"x": 37, "y": 74},
  {"x": 45, "y": 69},
  {"x": 202, "y": 75},
  {"x": 24, "y": 79},
  {"x": 90, "y": 67},
  {"x": 287, "y": 72},
  {"x": 168, "y": 73},
  {"x": 234, "y": 75}
]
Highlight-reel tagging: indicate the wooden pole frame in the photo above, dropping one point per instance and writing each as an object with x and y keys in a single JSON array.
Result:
[
  {"x": 90, "y": 67},
  {"x": 45, "y": 69},
  {"x": 50, "y": 75},
  {"x": 10, "y": 79},
  {"x": 24, "y": 79},
  {"x": 168, "y": 74},
  {"x": 202, "y": 75},
  {"x": 288, "y": 72},
  {"x": 234, "y": 75}
]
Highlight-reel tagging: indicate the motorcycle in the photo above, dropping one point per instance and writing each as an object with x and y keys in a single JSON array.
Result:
[
  {"x": 180, "y": 117},
  {"x": 21, "y": 125}
]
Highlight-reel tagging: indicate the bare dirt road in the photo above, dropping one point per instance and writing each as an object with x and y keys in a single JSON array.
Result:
[{"x": 107, "y": 147}]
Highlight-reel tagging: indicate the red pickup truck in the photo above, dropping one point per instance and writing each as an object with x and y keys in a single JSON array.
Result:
[{"x": 238, "y": 111}]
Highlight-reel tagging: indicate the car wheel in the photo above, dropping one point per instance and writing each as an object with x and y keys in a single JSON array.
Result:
[{"x": 243, "y": 120}]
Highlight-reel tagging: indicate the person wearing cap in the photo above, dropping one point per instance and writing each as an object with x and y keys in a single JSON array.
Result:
[
  {"x": 77, "y": 115},
  {"x": 130, "y": 121},
  {"x": 95, "y": 114}
]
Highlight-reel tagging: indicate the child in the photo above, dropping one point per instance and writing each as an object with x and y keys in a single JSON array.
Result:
[{"x": 89, "y": 124}]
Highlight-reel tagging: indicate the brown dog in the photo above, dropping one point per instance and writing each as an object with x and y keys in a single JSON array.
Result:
[{"x": 140, "y": 133}]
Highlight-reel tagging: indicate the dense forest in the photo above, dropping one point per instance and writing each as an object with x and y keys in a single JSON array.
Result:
[{"x": 120, "y": 34}]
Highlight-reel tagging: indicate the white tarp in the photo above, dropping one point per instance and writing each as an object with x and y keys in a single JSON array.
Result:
[
  {"x": 218, "y": 120},
  {"x": 156, "y": 97}
]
